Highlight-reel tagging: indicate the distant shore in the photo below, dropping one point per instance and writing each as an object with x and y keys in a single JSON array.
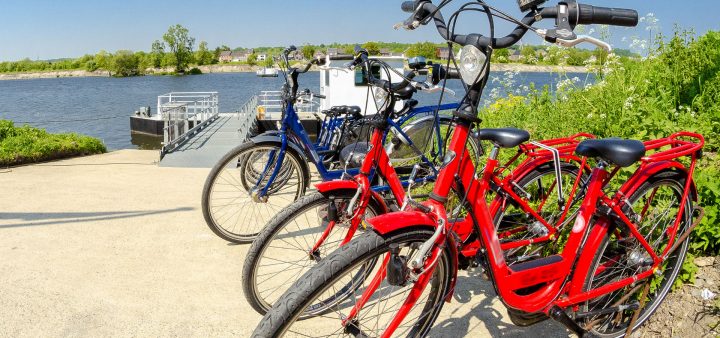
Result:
[{"x": 220, "y": 68}]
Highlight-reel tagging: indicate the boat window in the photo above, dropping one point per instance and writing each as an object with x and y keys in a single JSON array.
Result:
[
  {"x": 327, "y": 78},
  {"x": 361, "y": 79}
]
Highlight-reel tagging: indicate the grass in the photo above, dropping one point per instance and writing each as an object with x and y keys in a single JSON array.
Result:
[{"x": 23, "y": 145}]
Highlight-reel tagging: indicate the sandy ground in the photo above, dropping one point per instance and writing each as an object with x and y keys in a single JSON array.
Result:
[{"x": 113, "y": 245}]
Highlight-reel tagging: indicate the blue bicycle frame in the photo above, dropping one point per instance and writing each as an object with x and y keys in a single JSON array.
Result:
[{"x": 291, "y": 125}]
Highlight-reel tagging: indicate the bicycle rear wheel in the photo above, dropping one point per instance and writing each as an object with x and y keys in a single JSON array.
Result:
[
  {"x": 653, "y": 207},
  {"x": 228, "y": 205},
  {"x": 373, "y": 318}
]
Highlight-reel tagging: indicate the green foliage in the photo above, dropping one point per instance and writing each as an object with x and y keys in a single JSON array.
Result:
[
  {"x": 194, "y": 71},
  {"x": 687, "y": 273},
  {"x": 373, "y": 48},
  {"x": 308, "y": 51},
  {"x": 425, "y": 49},
  {"x": 157, "y": 54},
  {"x": 203, "y": 56},
  {"x": 180, "y": 42},
  {"x": 252, "y": 59},
  {"x": 676, "y": 88},
  {"x": 21, "y": 145},
  {"x": 125, "y": 63},
  {"x": 269, "y": 61}
]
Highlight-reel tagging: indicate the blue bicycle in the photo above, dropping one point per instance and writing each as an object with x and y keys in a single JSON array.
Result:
[{"x": 264, "y": 175}]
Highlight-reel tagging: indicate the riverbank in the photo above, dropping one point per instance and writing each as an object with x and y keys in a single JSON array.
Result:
[
  {"x": 23, "y": 145},
  {"x": 223, "y": 68}
]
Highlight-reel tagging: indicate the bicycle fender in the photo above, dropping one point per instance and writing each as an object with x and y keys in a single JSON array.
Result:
[
  {"x": 388, "y": 223},
  {"x": 639, "y": 178},
  {"x": 273, "y": 137},
  {"x": 350, "y": 187}
]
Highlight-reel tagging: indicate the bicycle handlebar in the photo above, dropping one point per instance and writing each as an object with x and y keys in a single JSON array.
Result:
[{"x": 574, "y": 12}]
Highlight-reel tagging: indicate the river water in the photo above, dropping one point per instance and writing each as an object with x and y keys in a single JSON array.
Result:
[{"x": 101, "y": 107}]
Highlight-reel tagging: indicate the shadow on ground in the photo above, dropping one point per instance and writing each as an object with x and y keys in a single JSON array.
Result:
[
  {"x": 483, "y": 313},
  {"x": 56, "y": 218}
]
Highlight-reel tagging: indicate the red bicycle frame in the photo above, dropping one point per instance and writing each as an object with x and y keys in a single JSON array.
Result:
[
  {"x": 560, "y": 284},
  {"x": 377, "y": 159}
]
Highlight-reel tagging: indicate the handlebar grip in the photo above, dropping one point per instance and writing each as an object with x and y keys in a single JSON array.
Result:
[
  {"x": 408, "y": 6},
  {"x": 588, "y": 15}
]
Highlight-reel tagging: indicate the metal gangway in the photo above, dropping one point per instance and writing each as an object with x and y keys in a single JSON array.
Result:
[
  {"x": 196, "y": 133},
  {"x": 184, "y": 114}
]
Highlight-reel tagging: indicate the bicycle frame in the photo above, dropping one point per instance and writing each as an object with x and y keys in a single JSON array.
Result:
[{"x": 557, "y": 275}]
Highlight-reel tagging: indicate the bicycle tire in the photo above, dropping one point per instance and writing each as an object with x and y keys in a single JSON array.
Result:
[
  {"x": 234, "y": 159},
  {"x": 291, "y": 305}
]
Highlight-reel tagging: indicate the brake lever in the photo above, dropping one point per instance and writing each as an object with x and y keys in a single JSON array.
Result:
[
  {"x": 585, "y": 38},
  {"x": 408, "y": 25},
  {"x": 436, "y": 89},
  {"x": 344, "y": 69}
]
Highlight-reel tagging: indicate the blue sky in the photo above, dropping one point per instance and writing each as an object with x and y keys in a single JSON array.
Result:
[{"x": 45, "y": 29}]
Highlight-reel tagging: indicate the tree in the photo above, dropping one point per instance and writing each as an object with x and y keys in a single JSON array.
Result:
[
  {"x": 308, "y": 51},
  {"x": 157, "y": 54},
  {"x": 373, "y": 48},
  {"x": 203, "y": 56},
  {"x": 501, "y": 55},
  {"x": 181, "y": 46},
  {"x": 125, "y": 63},
  {"x": 102, "y": 60},
  {"x": 269, "y": 61},
  {"x": 252, "y": 59},
  {"x": 426, "y": 49}
]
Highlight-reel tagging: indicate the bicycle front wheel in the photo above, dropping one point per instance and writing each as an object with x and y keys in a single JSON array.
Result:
[
  {"x": 384, "y": 301},
  {"x": 230, "y": 202},
  {"x": 293, "y": 242}
]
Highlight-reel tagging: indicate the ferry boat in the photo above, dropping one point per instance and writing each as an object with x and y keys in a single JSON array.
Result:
[
  {"x": 341, "y": 87},
  {"x": 267, "y": 72}
]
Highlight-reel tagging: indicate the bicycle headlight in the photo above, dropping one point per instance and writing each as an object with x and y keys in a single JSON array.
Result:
[
  {"x": 381, "y": 98},
  {"x": 471, "y": 62}
]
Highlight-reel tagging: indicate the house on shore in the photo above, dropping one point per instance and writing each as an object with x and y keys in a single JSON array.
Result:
[
  {"x": 515, "y": 56},
  {"x": 442, "y": 53},
  {"x": 236, "y": 55},
  {"x": 333, "y": 51}
]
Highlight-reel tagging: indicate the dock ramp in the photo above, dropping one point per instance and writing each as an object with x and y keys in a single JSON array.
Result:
[{"x": 205, "y": 143}]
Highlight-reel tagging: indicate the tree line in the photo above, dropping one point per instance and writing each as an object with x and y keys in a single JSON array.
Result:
[{"x": 177, "y": 50}]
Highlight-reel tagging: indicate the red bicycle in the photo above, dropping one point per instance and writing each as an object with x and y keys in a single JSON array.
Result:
[
  {"x": 618, "y": 262},
  {"x": 315, "y": 225}
]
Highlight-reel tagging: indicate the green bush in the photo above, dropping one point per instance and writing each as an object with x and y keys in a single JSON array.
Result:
[
  {"x": 677, "y": 87},
  {"x": 21, "y": 145},
  {"x": 195, "y": 71}
]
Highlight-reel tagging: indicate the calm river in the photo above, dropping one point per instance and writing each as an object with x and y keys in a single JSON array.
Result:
[{"x": 101, "y": 107}]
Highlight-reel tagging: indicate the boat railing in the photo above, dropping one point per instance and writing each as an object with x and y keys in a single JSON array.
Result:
[
  {"x": 184, "y": 114},
  {"x": 270, "y": 105}
]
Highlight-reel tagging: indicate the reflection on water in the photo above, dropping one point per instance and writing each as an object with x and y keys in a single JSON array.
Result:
[{"x": 146, "y": 142}]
